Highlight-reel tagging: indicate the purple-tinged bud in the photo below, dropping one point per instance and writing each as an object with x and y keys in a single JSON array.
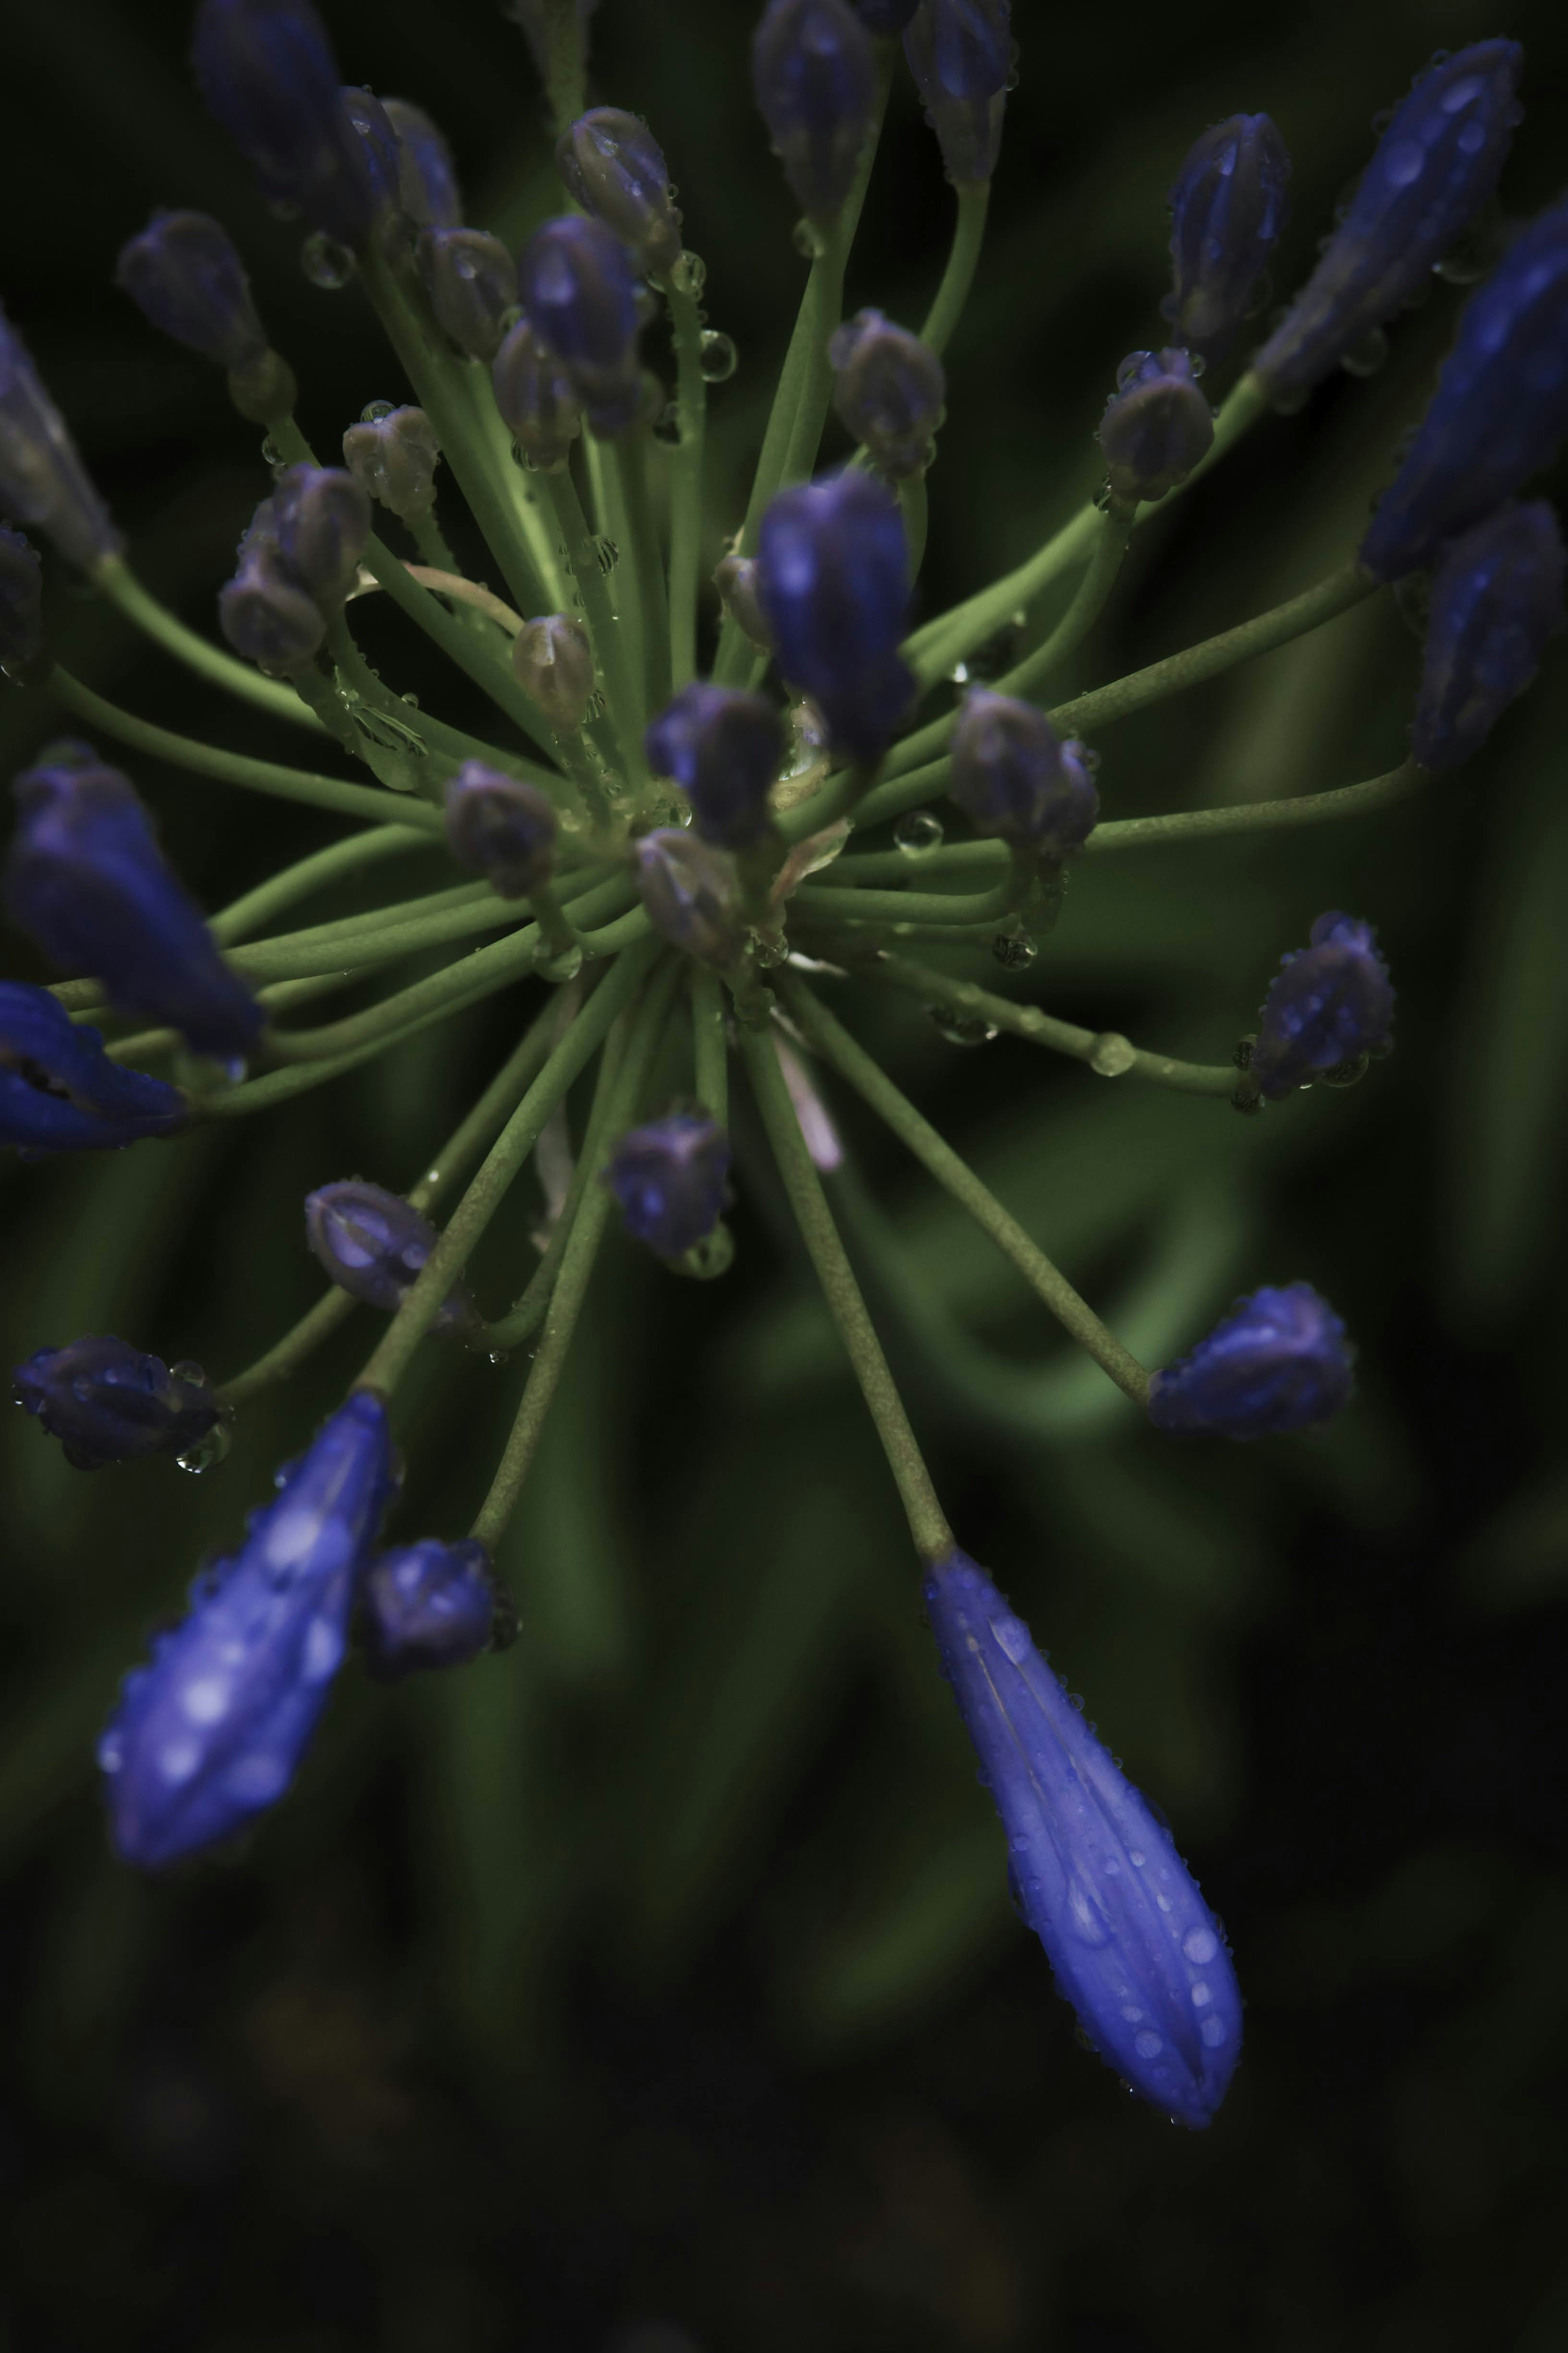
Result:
[
  {"x": 813, "y": 69},
  {"x": 106, "y": 1402},
  {"x": 58, "y": 1090},
  {"x": 1095, "y": 1873},
  {"x": 426, "y": 181},
  {"x": 1278, "y": 1363},
  {"x": 535, "y": 398},
  {"x": 833, "y": 580},
  {"x": 86, "y": 880},
  {"x": 267, "y": 71},
  {"x": 1329, "y": 1003},
  {"x": 1227, "y": 209},
  {"x": 427, "y": 1605},
  {"x": 42, "y": 478},
  {"x": 503, "y": 828},
  {"x": 614, "y": 167},
  {"x": 267, "y": 618},
  {"x": 692, "y": 895},
  {"x": 888, "y": 391},
  {"x": 321, "y": 520},
  {"x": 1157, "y": 425},
  {"x": 211, "y": 1732},
  {"x": 671, "y": 1180},
  {"x": 579, "y": 286},
  {"x": 960, "y": 54},
  {"x": 885, "y": 17},
  {"x": 472, "y": 282},
  {"x": 1434, "y": 168},
  {"x": 21, "y": 603},
  {"x": 736, "y": 580},
  {"x": 183, "y": 275},
  {"x": 723, "y": 749},
  {"x": 552, "y": 660},
  {"x": 377, "y": 158},
  {"x": 1497, "y": 598},
  {"x": 394, "y": 458},
  {"x": 1013, "y": 775},
  {"x": 373, "y": 1244},
  {"x": 1501, "y": 409}
]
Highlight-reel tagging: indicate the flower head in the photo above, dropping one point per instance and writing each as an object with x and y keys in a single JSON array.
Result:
[
  {"x": 1156, "y": 426},
  {"x": 1330, "y": 1001},
  {"x": 42, "y": 478},
  {"x": 184, "y": 274},
  {"x": 552, "y": 660},
  {"x": 21, "y": 601},
  {"x": 426, "y": 1605},
  {"x": 373, "y": 1244},
  {"x": 426, "y": 181},
  {"x": 107, "y": 1402},
  {"x": 393, "y": 457},
  {"x": 471, "y": 282},
  {"x": 1496, "y": 599},
  {"x": 1013, "y": 775},
  {"x": 888, "y": 390},
  {"x": 960, "y": 54},
  {"x": 671, "y": 1180},
  {"x": 614, "y": 167},
  {"x": 723, "y": 749},
  {"x": 1227, "y": 209},
  {"x": 814, "y": 73},
  {"x": 1278, "y": 1363},
  {"x": 577, "y": 283},
  {"x": 58, "y": 1090},
  {"x": 501, "y": 827},
  {"x": 833, "y": 581}
]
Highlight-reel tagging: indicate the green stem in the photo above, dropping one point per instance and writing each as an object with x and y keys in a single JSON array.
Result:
[
  {"x": 620, "y": 687},
  {"x": 316, "y": 1325},
  {"x": 120, "y": 584},
  {"x": 147, "y": 1044},
  {"x": 686, "y": 480},
  {"x": 710, "y": 1044},
  {"x": 629, "y": 457},
  {"x": 1262, "y": 817},
  {"x": 352, "y": 950},
  {"x": 611, "y": 519},
  {"x": 861, "y": 906},
  {"x": 519, "y": 484},
  {"x": 968, "y": 234},
  {"x": 1089, "y": 601},
  {"x": 313, "y": 874},
  {"x": 523, "y": 1318}
]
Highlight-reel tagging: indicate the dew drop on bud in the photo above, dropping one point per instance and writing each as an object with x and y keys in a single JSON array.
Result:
[
  {"x": 209, "y": 1452},
  {"x": 689, "y": 274},
  {"x": 374, "y": 410},
  {"x": 960, "y": 1029},
  {"x": 1015, "y": 953},
  {"x": 918, "y": 834},
  {"x": 326, "y": 263},
  {"x": 1112, "y": 1055},
  {"x": 717, "y": 356}
]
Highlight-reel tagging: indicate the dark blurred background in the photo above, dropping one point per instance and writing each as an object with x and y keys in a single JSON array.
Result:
[{"x": 654, "y": 1989}]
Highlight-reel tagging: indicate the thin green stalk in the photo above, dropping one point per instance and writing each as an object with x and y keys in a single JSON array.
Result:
[
  {"x": 614, "y": 527},
  {"x": 861, "y": 906},
  {"x": 148, "y": 1045},
  {"x": 286, "y": 1356},
  {"x": 1089, "y": 599},
  {"x": 927, "y": 1523},
  {"x": 528, "y": 1313},
  {"x": 621, "y": 687},
  {"x": 283, "y": 959},
  {"x": 520, "y": 488},
  {"x": 686, "y": 479},
  {"x": 138, "y": 603},
  {"x": 274, "y": 1087},
  {"x": 1262, "y": 817},
  {"x": 963, "y": 257},
  {"x": 630, "y": 457},
  {"x": 323, "y": 867},
  {"x": 710, "y": 1044}
]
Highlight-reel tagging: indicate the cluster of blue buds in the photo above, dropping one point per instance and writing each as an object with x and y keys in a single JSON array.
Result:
[
  {"x": 1331, "y": 1002},
  {"x": 723, "y": 748},
  {"x": 671, "y": 1180},
  {"x": 1013, "y": 777},
  {"x": 1278, "y": 1363},
  {"x": 833, "y": 583},
  {"x": 815, "y": 72},
  {"x": 267, "y": 71},
  {"x": 1227, "y": 210},
  {"x": 106, "y": 1402}
]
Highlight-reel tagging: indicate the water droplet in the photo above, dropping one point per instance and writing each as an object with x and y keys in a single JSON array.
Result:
[
  {"x": 717, "y": 356},
  {"x": 1013, "y": 952},
  {"x": 1012, "y": 1635},
  {"x": 1147, "y": 2043},
  {"x": 498, "y": 1355},
  {"x": 271, "y": 453},
  {"x": 188, "y": 1369},
  {"x": 1103, "y": 498},
  {"x": 606, "y": 554},
  {"x": 1200, "y": 1945},
  {"x": 1087, "y": 1921},
  {"x": 667, "y": 425},
  {"x": 960, "y": 1029},
  {"x": 326, "y": 263},
  {"x": 1112, "y": 1055},
  {"x": 1136, "y": 1857},
  {"x": 1201, "y": 1997},
  {"x": 1133, "y": 2013},
  {"x": 1212, "y": 2032},
  {"x": 807, "y": 240},
  {"x": 1403, "y": 163},
  {"x": 561, "y": 964},
  {"x": 374, "y": 410},
  {"x": 918, "y": 834},
  {"x": 689, "y": 273},
  {"x": 411, "y": 700},
  {"x": 1368, "y": 355},
  {"x": 208, "y": 1451}
]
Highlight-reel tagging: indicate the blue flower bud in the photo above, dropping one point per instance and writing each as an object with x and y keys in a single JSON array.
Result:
[
  {"x": 1432, "y": 170},
  {"x": 671, "y": 1180},
  {"x": 1497, "y": 597},
  {"x": 42, "y": 478},
  {"x": 1278, "y": 1362},
  {"x": 394, "y": 458},
  {"x": 21, "y": 602},
  {"x": 58, "y": 1090},
  {"x": 723, "y": 749},
  {"x": 267, "y": 71},
  {"x": 579, "y": 287},
  {"x": 960, "y": 54},
  {"x": 535, "y": 398},
  {"x": 427, "y": 180},
  {"x": 377, "y": 157},
  {"x": 1330, "y": 1002},
  {"x": 472, "y": 282},
  {"x": 1013, "y": 775},
  {"x": 888, "y": 390},
  {"x": 552, "y": 660},
  {"x": 321, "y": 520},
  {"x": 106, "y": 1402},
  {"x": 614, "y": 167},
  {"x": 183, "y": 275},
  {"x": 266, "y": 615},
  {"x": 813, "y": 69},
  {"x": 86, "y": 880},
  {"x": 885, "y": 17},
  {"x": 691, "y": 894},
  {"x": 1134, "y": 1948},
  {"x": 1227, "y": 209},
  {"x": 1501, "y": 409},
  {"x": 503, "y": 828},
  {"x": 833, "y": 580},
  {"x": 426, "y": 1605},
  {"x": 373, "y": 1244},
  {"x": 211, "y": 1732},
  {"x": 735, "y": 577},
  {"x": 1157, "y": 425}
]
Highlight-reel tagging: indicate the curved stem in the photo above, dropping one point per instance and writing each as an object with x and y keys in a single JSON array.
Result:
[
  {"x": 1261, "y": 817},
  {"x": 622, "y": 692},
  {"x": 710, "y": 1044},
  {"x": 963, "y": 257},
  {"x": 528, "y": 1313},
  {"x": 686, "y": 480},
  {"x": 138, "y": 603},
  {"x": 257, "y": 907},
  {"x": 861, "y": 906}
]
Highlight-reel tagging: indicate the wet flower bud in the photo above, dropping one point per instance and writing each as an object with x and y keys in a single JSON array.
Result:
[
  {"x": 21, "y": 602},
  {"x": 1227, "y": 209},
  {"x": 471, "y": 282},
  {"x": 426, "y": 1605},
  {"x": 503, "y": 828},
  {"x": 670, "y": 1178},
  {"x": 1013, "y": 775},
  {"x": 211, "y": 1732},
  {"x": 1330, "y": 1002},
  {"x": 535, "y": 398},
  {"x": 1501, "y": 409},
  {"x": 426, "y": 181},
  {"x": 960, "y": 54},
  {"x": 888, "y": 391},
  {"x": 833, "y": 580},
  {"x": 1157, "y": 425},
  {"x": 579, "y": 287},
  {"x": 320, "y": 520},
  {"x": 691, "y": 894},
  {"x": 267, "y": 71},
  {"x": 267, "y": 618},
  {"x": 815, "y": 72},
  {"x": 106, "y": 1402},
  {"x": 1278, "y": 1362},
  {"x": 42, "y": 478},
  {"x": 723, "y": 749},
  {"x": 372, "y": 1245},
  {"x": 1433, "y": 169},
  {"x": 183, "y": 273},
  {"x": 1497, "y": 598},
  {"x": 736, "y": 580},
  {"x": 375, "y": 157},
  {"x": 884, "y": 16},
  {"x": 1095, "y": 1873},
  {"x": 394, "y": 460},
  {"x": 614, "y": 167},
  {"x": 552, "y": 660},
  {"x": 58, "y": 1090}
]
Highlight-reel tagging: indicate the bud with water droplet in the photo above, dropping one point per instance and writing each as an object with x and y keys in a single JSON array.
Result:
[
  {"x": 888, "y": 390},
  {"x": 373, "y": 1244},
  {"x": 671, "y": 1179},
  {"x": 1157, "y": 425},
  {"x": 614, "y": 167},
  {"x": 1013, "y": 777},
  {"x": 960, "y": 54},
  {"x": 723, "y": 748},
  {"x": 58, "y": 1090},
  {"x": 1279, "y": 1361},
  {"x": 552, "y": 660},
  {"x": 535, "y": 398},
  {"x": 21, "y": 602},
  {"x": 394, "y": 458},
  {"x": 1227, "y": 209},
  {"x": 736, "y": 580},
  {"x": 692, "y": 895},
  {"x": 1495, "y": 602},
  {"x": 264, "y": 613},
  {"x": 833, "y": 581},
  {"x": 815, "y": 72},
  {"x": 426, "y": 1605},
  {"x": 42, "y": 478},
  {"x": 427, "y": 179},
  {"x": 107, "y": 1402},
  {"x": 267, "y": 71},
  {"x": 577, "y": 283},
  {"x": 320, "y": 523},
  {"x": 472, "y": 282},
  {"x": 1330, "y": 1001},
  {"x": 501, "y": 827}
]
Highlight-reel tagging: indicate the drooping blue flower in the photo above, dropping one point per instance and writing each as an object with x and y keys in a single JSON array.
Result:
[
  {"x": 833, "y": 580},
  {"x": 1328, "y": 1003},
  {"x": 1434, "y": 168},
  {"x": 1156, "y": 426},
  {"x": 723, "y": 748},
  {"x": 393, "y": 457},
  {"x": 426, "y": 1605},
  {"x": 692, "y": 895},
  {"x": 1227, "y": 209},
  {"x": 670, "y": 1178},
  {"x": 813, "y": 69},
  {"x": 1135, "y": 1948},
  {"x": 21, "y": 602},
  {"x": 42, "y": 478},
  {"x": 373, "y": 1244},
  {"x": 1501, "y": 410},
  {"x": 85, "y": 878},
  {"x": 888, "y": 390},
  {"x": 211, "y": 1732},
  {"x": 501, "y": 827},
  {"x": 426, "y": 178},
  {"x": 960, "y": 54},
  {"x": 535, "y": 398},
  {"x": 1496, "y": 599},
  {"x": 1278, "y": 1363},
  {"x": 58, "y": 1090},
  {"x": 578, "y": 284},
  {"x": 106, "y": 1402},
  {"x": 614, "y": 167},
  {"x": 1013, "y": 775},
  {"x": 183, "y": 275},
  {"x": 320, "y": 523},
  {"x": 267, "y": 71},
  {"x": 471, "y": 282}
]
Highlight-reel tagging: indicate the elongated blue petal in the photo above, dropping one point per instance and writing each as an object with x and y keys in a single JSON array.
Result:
[{"x": 58, "y": 1090}]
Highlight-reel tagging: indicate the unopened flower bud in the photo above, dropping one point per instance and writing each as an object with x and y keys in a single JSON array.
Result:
[
  {"x": 535, "y": 398},
  {"x": 321, "y": 518},
  {"x": 815, "y": 72},
  {"x": 21, "y": 602},
  {"x": 1157, "y": 425},
  {"x": 1496, "y": 599},
  {"x": 736, "y": 580},
  {"x": 426, "y": 181},
  {"x": 960, "y": 54},
  {"x": 1279, "y": 1361},
  {"x": 267, "y": 616},
  {"x": 503, "y": 828},
  {"x": 1013, "y": 775},
  {"x": 1329, "y": 1002},
  {"x": 375, "y": 155},
  {"x": 106, "y": 1402},
  {"x": 614, "y": 167},
  {"x": 692, "y": 895},
  {"x": 426, "y": 1605},
  {"x": 394, "y": 458},
  {"x": 267, "y": 71},
  {"x": 373, "y": 1244},
  {"x": 579, "y": 286},
  {"x": 58, "y": 1090},
  {"x": 471, "y": 282},
  {"x": 42, "y": 478},
  {"x": 184, "y": 274},
  {"x": 888, "y": 390},
  {"x": 552, "y": 660},
  {"x": 671, "y": 1180},
  {"x": 723, "y": 749},
  {"x": 833, "y": 579},
  {"x": 1227, "y": 209}
]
